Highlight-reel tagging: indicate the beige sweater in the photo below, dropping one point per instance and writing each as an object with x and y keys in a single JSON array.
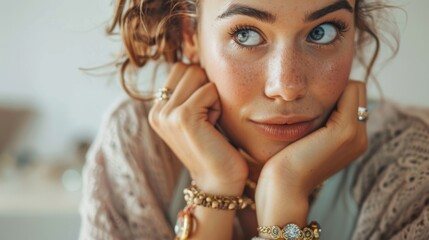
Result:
[{"x": 130, "y": 178}]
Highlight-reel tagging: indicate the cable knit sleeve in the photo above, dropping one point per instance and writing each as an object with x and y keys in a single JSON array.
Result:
[
  {"x": 392, "y": 187},
  {"x": 129, "y": 179}
]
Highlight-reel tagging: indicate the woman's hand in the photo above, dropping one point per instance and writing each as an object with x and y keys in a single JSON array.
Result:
[
  {"x": 186, "y": 122},
  {"x": 291, "y": 175}
]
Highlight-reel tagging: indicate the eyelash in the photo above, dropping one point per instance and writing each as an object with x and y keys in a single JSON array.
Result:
[
  {"x": 233, "y": 34},
  {"x": 341, "y": 26}
]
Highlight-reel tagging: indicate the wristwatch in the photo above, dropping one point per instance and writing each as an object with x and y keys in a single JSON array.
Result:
[{"x": 291, "y": 231}]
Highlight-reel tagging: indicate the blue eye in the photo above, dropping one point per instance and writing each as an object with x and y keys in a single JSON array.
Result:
[
  {"x": 323, "y": 34},
  {"x": 248, "y": 38}
]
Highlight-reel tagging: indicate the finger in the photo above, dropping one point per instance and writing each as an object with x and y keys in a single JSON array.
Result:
[
  {"x": 362, "y": 142},
  {"x": 204, "y": 100},
  {"x": 362, "y": 98},
  {"x": 176, "y": 73},
  {"x": 357, "y": 129},
  {"x": 193, "y": 78},
  {"x": 347, "y": 105},
  {"x": 214, "y": 113},
  {"x": 353, "y": 129},
  {"x": 362, "y": 93}
]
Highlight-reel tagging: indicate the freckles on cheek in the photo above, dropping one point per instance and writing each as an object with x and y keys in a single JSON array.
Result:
[
  {"x": 336, "y": 75},
  {"x": 233, "y": 79}
]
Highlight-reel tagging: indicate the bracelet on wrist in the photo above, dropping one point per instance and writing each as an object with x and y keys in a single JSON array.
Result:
[
  {"x": 194, "y": 196},
  {"x": 291, "y": 231},
  {"x": 186, "y": 223}
]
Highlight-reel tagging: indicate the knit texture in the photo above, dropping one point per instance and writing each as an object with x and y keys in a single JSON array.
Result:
[{"x": 392, "y": 185}]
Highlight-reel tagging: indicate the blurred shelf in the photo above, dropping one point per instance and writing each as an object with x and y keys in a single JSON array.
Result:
[
  {"x": 36, "y": 192},
  {"x": 24, "y": 197},
  {"x": 34, "y": 207}
]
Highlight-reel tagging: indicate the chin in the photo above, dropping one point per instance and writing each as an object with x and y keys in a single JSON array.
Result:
[{"x": 263, "y": 154}]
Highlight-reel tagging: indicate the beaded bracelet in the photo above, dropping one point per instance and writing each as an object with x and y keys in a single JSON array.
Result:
[
  {"x": 293, "y": 232},
  {"x": 186, "y": 223},
  {"x": 193, "y": 196}
]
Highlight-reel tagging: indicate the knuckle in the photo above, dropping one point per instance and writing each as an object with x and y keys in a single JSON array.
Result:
[
  {"x": 361, "y": 86},
  {"x": 207, "y": 88},
  {"x": 352, "y": 137},
  {"x": 211, "y": 86},
  {"x": 353, "y": 86},
  {"x": 185, "y": 115},
  {"x": 157, "y": 117},
  {"x": 348, "y": 134},
  {"x": 197, "y": 71},
  {"x": 179, "y": 65},
  {"x": 194, "y": 68},
  {"x": 180, "y": 116}
]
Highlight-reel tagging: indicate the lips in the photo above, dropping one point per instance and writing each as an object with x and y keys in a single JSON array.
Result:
[{"x": 287, "y": 129}]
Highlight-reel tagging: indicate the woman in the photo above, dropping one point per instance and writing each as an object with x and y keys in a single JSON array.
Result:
[{"x": 263, "y": 114}]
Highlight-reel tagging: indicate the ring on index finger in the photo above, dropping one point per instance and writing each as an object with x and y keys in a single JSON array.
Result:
[
  {"x": 362, "y": 114},
  {"x": 164, "y": 94}
]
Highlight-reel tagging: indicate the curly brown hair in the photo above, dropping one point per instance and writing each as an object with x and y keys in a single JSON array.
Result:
[{"x": 152, "y": 30}]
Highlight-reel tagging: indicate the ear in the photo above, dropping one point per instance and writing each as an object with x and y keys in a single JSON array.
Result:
[{"x": 190, "y": 47}]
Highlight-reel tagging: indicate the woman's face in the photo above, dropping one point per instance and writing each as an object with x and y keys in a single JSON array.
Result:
[{"x": 279, "y": 66}]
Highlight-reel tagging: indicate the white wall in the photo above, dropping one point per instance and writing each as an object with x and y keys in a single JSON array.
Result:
[
  {"x": 44, "y": 42},
  {"x": 42, "y": 45},
  {"x": 405, "y": 79}
]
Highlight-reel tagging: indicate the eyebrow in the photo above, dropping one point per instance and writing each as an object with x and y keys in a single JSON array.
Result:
[
  {"x": 340, "y": 4},
  {"x": 239, "y": 9}
]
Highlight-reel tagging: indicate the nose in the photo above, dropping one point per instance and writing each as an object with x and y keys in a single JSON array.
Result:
[{"x": 286, "y": 76}]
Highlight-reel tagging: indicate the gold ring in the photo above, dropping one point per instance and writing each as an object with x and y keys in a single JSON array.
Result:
[{"x": 164, "y": 94}]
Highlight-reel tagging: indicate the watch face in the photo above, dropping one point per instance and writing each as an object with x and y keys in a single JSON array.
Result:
[
  {"x": 292, "y": 232},
  {"x": 183, "y": 225},
  {"x": 178, "y": 229}
]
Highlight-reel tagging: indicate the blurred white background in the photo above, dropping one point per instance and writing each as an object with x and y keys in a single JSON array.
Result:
[{"x": 42, "y": 45}]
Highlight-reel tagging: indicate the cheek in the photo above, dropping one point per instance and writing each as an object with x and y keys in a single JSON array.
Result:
[
  {"x": 235, "y": 82},
  {"x": 332, "y": 80}
]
